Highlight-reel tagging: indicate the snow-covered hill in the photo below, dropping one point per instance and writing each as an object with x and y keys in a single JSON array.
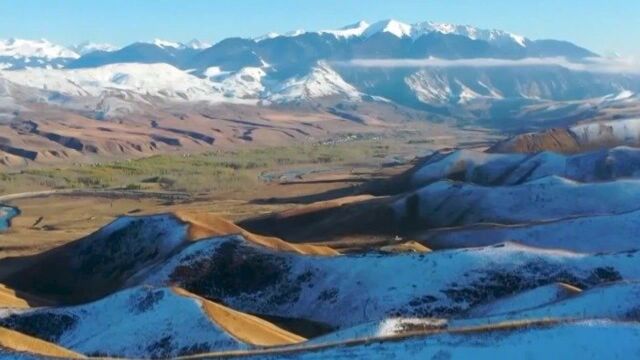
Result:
[
  {"x": 572, "y": 340},
  {"x": 592, "y": 234},
  {"x": 141, "y": 322},
  {"x": 553, "y": 198},
  {"x": 348, "y": 290},
  {"x": 617, "y": 301},
  {"x": 20, "y": 54},
  {"x": 152, "y": 82},
  {"x": 160, "y": 80},
  {"x": 509, "y": 169},
  {"x": 538, "y": 297},
  {"x": 44, "y": 49},
  {"x": 321, "y": 82}
]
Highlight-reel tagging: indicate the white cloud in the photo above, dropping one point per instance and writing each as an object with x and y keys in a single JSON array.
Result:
[{"x": 596, "y": 64}]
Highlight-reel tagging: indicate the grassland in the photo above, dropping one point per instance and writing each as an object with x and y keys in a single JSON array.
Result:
[{"x": 217, "y": 171}]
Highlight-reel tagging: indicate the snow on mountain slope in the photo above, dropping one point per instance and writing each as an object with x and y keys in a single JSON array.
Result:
[
  {"x": 348, "y": 290},
  {"x": 468, "y": 31},
  {"x": 585, "y": 136},
  {"x": 246, "y": 83},
  {"x": 197, "y": 44},
  {"x": 123, "y": 248},
  {"x": 135, "y": 323},
  {"x": 445, "y": 203},
  {"x": 119, "y": 249},
  {"x": 573, "y": 340},
  {"x": 164, "y": 81},
  {"x": 194, "y": 44},
  {"x": 321, "y": 81},
  {"x": 588, "y": 234},
  {"x": 617, "y": 301},
  {"x": 625, "y": 131},
  {"x": 44, "y": 49},
  {"x": 400, "y": 29},
  {"x": 21, "y": 54},
  {"x": 160, "y": 80},
  {"x": 348, "y": 31},
  {"x": 540, "y": 296},
  {"x": 87, "y": 47},
  {"x": 393, "y": 27},
  {"x": 384, "y": 328},
  {"x": 510, "y": 169},
  {"x": 166, "y": 43},
  {"x": 437, "y": 88}
]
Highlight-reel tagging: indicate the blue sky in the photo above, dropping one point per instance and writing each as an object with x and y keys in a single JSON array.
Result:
[{"x": 605, "y": 26}]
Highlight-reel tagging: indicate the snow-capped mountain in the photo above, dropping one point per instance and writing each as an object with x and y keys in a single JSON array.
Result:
[
  {"x": 303, "y": 66},
  {"x": 392, "y": 27},
  {"x": 142, "y": 79},
  {"x": 34, "y": 49},
  {"x": 383, "y": 285},
  {"x": 87, "y": 47},
  {"x": 19, "y": 54},
  {"x": 197, "y": 44},
  {"x": 401, "y": 30},
  {"x": 192, "y": 44},
  {"x": 320, "y": 82}
]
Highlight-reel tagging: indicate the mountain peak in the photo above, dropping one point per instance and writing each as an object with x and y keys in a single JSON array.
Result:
[
  {"x": 22, "y": 48},
  {"x": 348, "y": 31},
  {"x": 87, "y": 47},
  {"x": 165, "y": 44},
  {"x": 390, "y": 26},
  {"x": 197, "y": 44}
]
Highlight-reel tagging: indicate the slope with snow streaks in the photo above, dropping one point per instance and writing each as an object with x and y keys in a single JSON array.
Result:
[
  {"x": 34, "y": 49},
  {"x": 540, "y": 296},
  {"x": 510, "y": 169},
  {"x": 245, "y": 83},
  {"x": 87, "y": 47},
  {"x": 98, "y": 264},
  {"x": 347, "y": 290},
  {"x": 573, "y": 340},
  {"x": 616, "y": 301},
  {"x": 126, "y": 246},
  {"x": 580, "y": 137},
  {"x": 142, "y": 322},
  {"x": 384, "y": 328},
  {"x": 321, "y": 81},
  {"x": 399, "y": 29},
  {"x": 588, "y": 234},
  {"x": 21, "y": 53},
  {"x": 160, "y": 80},
  {"x": 446, "y": 204}
]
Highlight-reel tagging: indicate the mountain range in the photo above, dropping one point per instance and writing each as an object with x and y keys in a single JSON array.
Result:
[
  {"x": 328, "y": 59},
  {"x": 425, "y": 71}
]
